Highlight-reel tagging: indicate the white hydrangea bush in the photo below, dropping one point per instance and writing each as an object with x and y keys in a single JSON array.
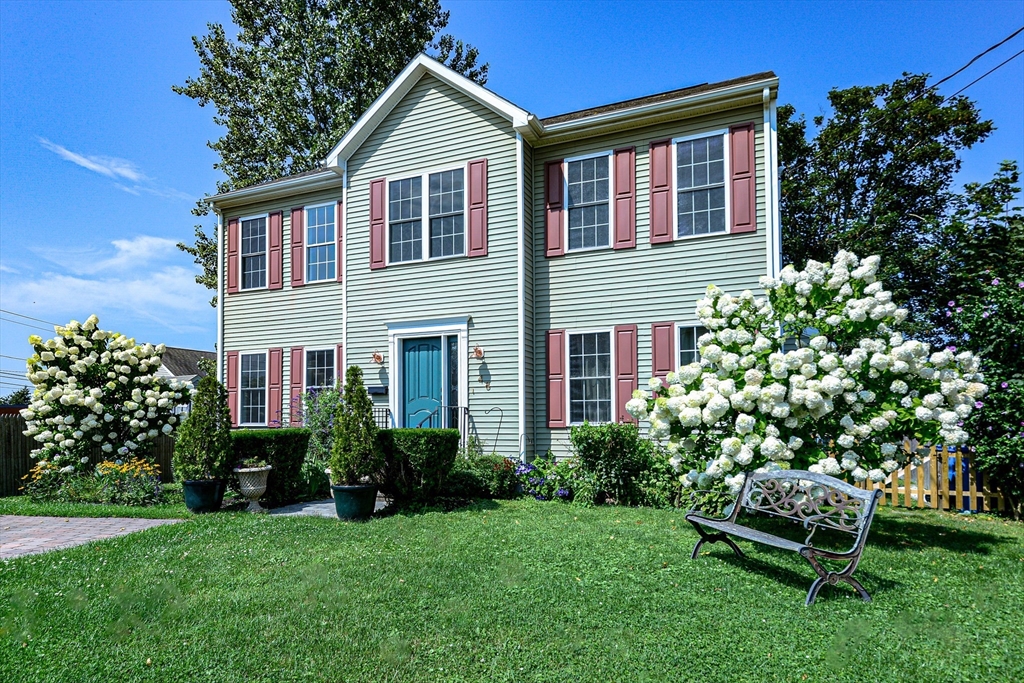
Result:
[
  {"x": 97, "y": 388},
  {"x": 839, "y": 398}
]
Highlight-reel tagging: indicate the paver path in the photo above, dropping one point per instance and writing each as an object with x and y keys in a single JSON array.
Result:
[
  {"x": 318, "y": 508},
  {"x": 28, "y": 535}
]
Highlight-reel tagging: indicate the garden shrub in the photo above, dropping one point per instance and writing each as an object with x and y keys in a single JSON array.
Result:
[
  {"x": 548, "y": 479},
  {"x": 134, "y": 482},
  {"x": 616, "y": 456},
  {"x": 355, "y": 453},
  {"x": 202, "y": 448},
  {"x": 416, "y": 462},
  {"x": 319, "y": 408},
  {"x": 284, "y": 450},
  {"x": 482, "y": 476}
]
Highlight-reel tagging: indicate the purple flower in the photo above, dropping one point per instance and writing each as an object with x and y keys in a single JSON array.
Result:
[
  {"x": 948, "y": 314},
  {"x": 1021, "y": 285},
  {"x": 524, "y": 468},
  {"x": 996, "y": 281},
  {"x": 951, "y": 349},
  {"x": 985, "y": 314},
  {"x": 951, "y": 304},
  {"x": 540, "y": 497},
  {"x": 959, "y": 310},
  {"x": 1004, "y": 385},
  {"x": 978, "y": 404},
  {"x": 562, "y": 493}
]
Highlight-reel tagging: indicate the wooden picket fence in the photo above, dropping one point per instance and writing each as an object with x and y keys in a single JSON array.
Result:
[
  {"x": 16, "y": 461},
  {"x": 943, "y": 480}
]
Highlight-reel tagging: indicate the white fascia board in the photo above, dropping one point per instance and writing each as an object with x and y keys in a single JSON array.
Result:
[
  {"x": 326, "y": 179},
  {"x": 403, "y": 83},
  {"x": 628, "y": 118}
]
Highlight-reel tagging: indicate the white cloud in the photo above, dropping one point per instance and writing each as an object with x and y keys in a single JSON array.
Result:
[
  {"x": 112, "y": 167},
  {"x": 7, "y": 269},
  {"x": 129, "y": 254}
]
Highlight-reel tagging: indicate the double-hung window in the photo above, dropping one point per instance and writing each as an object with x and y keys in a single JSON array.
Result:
[
  {"x": 443, "y": 205},
  {"x": 320, "y": 246},
  {"x": 254, "y": 252},
  {"x": 589, "y": 197},
  {"x": 700, "y": 193},
  {"x": 590, "y": 377},
  {"x": 319, "y": 369},
  {"x": 253, "y": 388},
  {"x": 688, "y": 336}
]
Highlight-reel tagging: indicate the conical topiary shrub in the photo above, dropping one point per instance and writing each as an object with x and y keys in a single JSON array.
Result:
[{"x": 202, "y": 448}]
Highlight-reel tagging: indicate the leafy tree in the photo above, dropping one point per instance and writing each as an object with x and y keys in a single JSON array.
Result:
[
  {"x": 355, "y": 453},
  {"x": 875, "y": 177},
  {"x": 202, "y": 449},
  {"x": 297, "y": 76},
  {"x": 17, "y": 397}
]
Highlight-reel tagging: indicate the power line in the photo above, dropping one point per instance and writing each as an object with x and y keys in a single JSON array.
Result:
[
  {"x": 977, "y": 57},
  {"x": 28, "y": 317},
  {"x": 13, "y": 357},
  {"x": 996, "y": 67},
  {"x": 18, "y": 322}
]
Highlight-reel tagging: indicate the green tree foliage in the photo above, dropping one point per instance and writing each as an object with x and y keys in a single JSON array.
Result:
[
  {"x": 17, "y": 397},
  {"x": 297, "y": 76},
  {"x": 355, "y": 453},
  {"x": 876, "y": 177},
  {"x": 202, "y": 449}
]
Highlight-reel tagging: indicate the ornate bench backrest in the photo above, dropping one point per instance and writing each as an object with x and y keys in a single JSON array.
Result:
[{"x": 810, "y": 498}]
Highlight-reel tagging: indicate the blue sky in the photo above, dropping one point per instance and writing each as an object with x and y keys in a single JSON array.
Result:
[{"x": 100, "y": 162}]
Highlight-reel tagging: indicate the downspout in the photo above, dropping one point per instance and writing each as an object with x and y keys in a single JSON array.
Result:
[
  {"x": 777, "y": 192},
  {"x": 343, "y": 266},
  {"x": 521, "y": 298},
  {"x": 220, "y": 297},
  {"x": 771, "y": 247}
]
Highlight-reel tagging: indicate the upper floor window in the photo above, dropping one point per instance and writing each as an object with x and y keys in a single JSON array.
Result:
[
  {"x": 446, "y": 214},
  {"x": 444, "y": 206},
  {"x": 700, "y": 174},
  {"x": 688, "y": 350},
  {"x": 320, "y": 245},
  {"x": 253, "y": 388},
  {"x": 590, "y": 377},
  {"x": 589, "y": 194},
  {"x": 319, "y": 369},
  {"x": 254, "y": 252}
]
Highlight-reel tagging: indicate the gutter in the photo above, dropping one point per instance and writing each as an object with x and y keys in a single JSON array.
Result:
[
  {"x": 221, "y": 370},
  {"x": 286, "y": 187}
]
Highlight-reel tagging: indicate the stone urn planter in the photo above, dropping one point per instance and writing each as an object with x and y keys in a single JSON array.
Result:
[{"x": 253, "y": 484}]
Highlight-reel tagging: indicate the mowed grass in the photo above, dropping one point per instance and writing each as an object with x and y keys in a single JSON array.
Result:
[
  {"x": 511, "y": 591},
  {"x": 21, "y": 505}
]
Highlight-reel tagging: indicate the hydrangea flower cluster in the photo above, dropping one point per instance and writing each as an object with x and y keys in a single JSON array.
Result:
[
  {"x": 816, "y": 375},
  {"x": 97, "y": 388}
]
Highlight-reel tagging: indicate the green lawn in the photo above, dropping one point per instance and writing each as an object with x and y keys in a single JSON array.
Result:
[
  {"x": 21, "y": 505},
  {"x": 512, "y": 591}
]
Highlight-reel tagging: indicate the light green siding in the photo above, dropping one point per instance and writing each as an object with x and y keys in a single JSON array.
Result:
[
  {"x": 308, "y": 316},
  {"x": 436, "y": 127},
  {"x": 651, "y": 283}
]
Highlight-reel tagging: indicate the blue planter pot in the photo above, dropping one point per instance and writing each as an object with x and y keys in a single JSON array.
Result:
[
  {"x": 354, "y": 502},
  {"x": 204, "y": 495}
]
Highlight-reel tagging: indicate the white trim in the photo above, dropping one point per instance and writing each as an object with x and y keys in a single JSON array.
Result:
[
  {"x": 343, "y": 264},
  {"x": 306, "y": 245},
  {"x": 774, "y": 219},
  {"x": 521, "y": 294},
  {"x": 274, "y": 189},
  {"x": 424, "y": 219},
  {"x": 610, "y": 331},
  {"x": 420, "y": 65},
  {"x": 415, "y": 329},
  {"x": 677, "y": 347},
  {"x": 611, "y": 200},
  {"x": 221, "y": 293},
  {"x": 266, "y": 387},
  {"x": 305, "y": 363},
  {"x": 266, "y": 251},
  {"x": 726, "y": 148}
]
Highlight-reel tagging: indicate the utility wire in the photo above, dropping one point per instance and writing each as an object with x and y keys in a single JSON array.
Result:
[
  {"x": 28, "y": 317},
  {"x": 18, "y": 322},
  {"x": 997, "y": 66},
  {"x": 13, "y": 357},
  {"x": 976, "y": 58}
]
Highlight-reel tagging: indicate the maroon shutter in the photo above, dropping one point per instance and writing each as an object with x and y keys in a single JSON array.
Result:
[
  {"x": 743, "y": 201},
  {"x": 625, "y": 198},
  {"x": 295, "y": 384},
  {"x": 339, "y": 233},
  {"x": 233, "y": 256},
  {"x": 378, "y": 231},
  {"x": 662, "y": 349},
  {"x": 275, "y": 386},
  {"x": 556, "y": 378},
  {"x": 298, "y": 247},
  {"x": 339, "y": 364},
  {"x": 232, "y": 384},
  {"x": 625, "y": 369},
  {"x": 477, "y": 192},
  {"x": 553, "y": 182},
  {"x": 661, "y": 191},
  {"x": 275, "y": 273}
]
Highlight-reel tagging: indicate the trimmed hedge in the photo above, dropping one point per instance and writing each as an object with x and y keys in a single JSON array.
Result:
[
  {"x": 417, "y": 462},
  {"x": 282, "y": 449},
  {"x": 483, "y": 476}
]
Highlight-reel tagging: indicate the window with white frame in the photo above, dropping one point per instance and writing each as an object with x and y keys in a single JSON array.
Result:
[
  {"x": 405, "y": 209},
  {"x": 590, "y": 377},
  {"x": 700, "y": 176},
  {"x": 446, "y": 214},
  {"x": 253, "y": 388},
  {"x": 688, "y": 336},
  {"x": 254, "y": 252},
  {"x": 589, "y": 195},
  {"x": 320, "y": 246},
  {"x": 319, "y": 369}
]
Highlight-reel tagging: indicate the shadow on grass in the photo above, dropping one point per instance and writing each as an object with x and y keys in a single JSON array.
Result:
[{"x": 444, "y": 504}]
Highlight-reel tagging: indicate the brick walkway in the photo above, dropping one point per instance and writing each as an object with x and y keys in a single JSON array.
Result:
[{"x": 28, "y": 535}]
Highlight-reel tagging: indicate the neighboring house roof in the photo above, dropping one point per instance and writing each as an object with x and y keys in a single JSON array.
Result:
[{"x": 179, "y": 362}]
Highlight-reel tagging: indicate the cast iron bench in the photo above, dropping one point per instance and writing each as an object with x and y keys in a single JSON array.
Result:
[{"x": 816, "y": 500}]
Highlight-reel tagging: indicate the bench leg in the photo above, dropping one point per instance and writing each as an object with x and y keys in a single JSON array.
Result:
[
  {"x": 832, "y": 578},
  {"x": 712, "y": 538}
]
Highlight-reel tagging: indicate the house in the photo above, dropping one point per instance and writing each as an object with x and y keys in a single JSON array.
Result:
[
  {"x": 183, "y": 364},
  {"x": 492, "y": 271}
]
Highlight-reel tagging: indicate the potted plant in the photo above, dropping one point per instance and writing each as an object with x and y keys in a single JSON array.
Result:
[
  {"x": 202, "y": 447},
  {"x": 252, "y": 480},
  {"x": 355, "y": 455}
]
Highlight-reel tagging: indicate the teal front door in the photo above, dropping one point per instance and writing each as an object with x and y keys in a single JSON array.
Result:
[{"x": 422, "y": 380}]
